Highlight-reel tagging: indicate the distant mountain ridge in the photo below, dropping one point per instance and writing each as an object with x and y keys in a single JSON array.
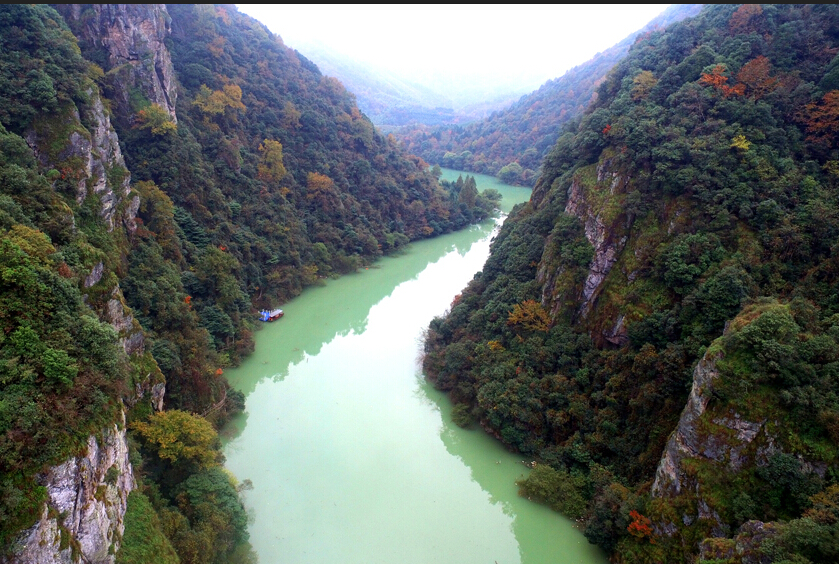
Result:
[
  {"x": 511, "y": 143},
  {"x": 389, "y": 100}
]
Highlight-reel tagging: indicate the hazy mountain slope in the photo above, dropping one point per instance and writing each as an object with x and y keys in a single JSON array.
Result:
[
  {"x": 658, "y": 326},
  {"x": 524, "y": 132},
  {"x": 393, "y": 101}
]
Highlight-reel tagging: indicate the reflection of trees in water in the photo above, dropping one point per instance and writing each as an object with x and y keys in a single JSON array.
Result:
[
  {"x": 496, "y": 470},
  {"x": 342, "y": 307}
]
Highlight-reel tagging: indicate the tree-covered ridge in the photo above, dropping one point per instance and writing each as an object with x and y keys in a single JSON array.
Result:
[
  {"x": 511, "y": 143},
  {"x": 63, "y": 372},
  {"x": 698, "y": 193},
  {"x": 258, "y": 178},
  {"x": 270, "y": 181}
]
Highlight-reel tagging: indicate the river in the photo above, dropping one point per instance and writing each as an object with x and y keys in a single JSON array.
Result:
[{"x": 353, "y": 456}]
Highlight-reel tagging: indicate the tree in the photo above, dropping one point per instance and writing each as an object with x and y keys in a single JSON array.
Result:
[
  {"x": 215, "y": 102},
  {"x": 643, "y": 83},
  {"x": 271, "y": 167},
  {"x": 755, "y": 76},
  {"x": 747, "y": 19},
  {"x": 156, "y": 120},
  {"x": 469, "y": 192},
  {"x": 530, "y": 315},
  {"x": 717, "y": 80},
  {"x": 291, "y": 116},
  {"x": 321, "y": 189},
  {"x": 179, "y": 437},
  {"x": 822, "y": 119},
  {"x": 640, "y": 526},
  {"x": 510, "y": 173}
]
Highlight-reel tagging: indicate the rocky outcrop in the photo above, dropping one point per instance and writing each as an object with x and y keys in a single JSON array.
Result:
[
  {"x": 119, "y": 315},
  {"x": 597, "y": 203},
  {"x": 686, "y": 441},
  {"x": 599, "y": 232},
  {"x": 728, "y": 440},
  {"x": 92, "y": 156},
  {"x": 83, "y": 519},
  {"x": 132, "y": 35},
  {"x": 744, "y": 548}
]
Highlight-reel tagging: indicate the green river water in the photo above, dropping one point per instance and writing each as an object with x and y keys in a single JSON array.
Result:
[{"x": 353, "y": 456}]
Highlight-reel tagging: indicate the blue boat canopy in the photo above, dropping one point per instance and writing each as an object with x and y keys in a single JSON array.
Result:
[{"x": 270, "y": 315}]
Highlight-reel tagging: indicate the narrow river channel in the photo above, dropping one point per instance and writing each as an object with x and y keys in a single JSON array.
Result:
[{"x": 353, "y": 456}]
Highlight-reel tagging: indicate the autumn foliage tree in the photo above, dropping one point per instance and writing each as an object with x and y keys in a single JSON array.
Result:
[
  {"x": 214, "y": 102},
  {"x": 271, "y": 167},
  {"x": 822, "y": 119},
  {"x": 747, "y": 19},
  {"x": 179, "y": 437},
  {"x": 321, "y": 190},
  {"x": 755, "y": 77},
  {"x": 640, "y": 527},
  {"x": 642, "y": 84},
  {"x": 530, "y": 316},
  {"x": 156, "y": 120},
  {"x": 717, "y": 80}
]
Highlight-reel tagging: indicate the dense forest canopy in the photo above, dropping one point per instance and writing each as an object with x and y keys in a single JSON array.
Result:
[{"x": 690, "y": 215}]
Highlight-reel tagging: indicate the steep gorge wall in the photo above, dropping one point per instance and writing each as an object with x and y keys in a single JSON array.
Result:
[
  {"x": 83, "y": 518},
  {"x": 128, "y": 43}
]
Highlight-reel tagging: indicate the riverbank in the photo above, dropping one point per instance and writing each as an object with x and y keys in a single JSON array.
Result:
[{"x": 353, "y": 457}]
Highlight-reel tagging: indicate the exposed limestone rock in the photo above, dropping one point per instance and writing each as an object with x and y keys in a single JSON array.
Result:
[
  {"x": 685, "y": 441},
  {"x": 132, "y": 35},
  {"x": 705, "y": 512},
  {"x": 617, "y": 335},
  {"x": 743, "y": 548},
  {"x": 598, "y": 207},
  {"x": 88, "y": 496},
  {"x": 119, "y": 316},
  {"x": 98, "y": 154},
  {"x": 95, "y": 275},
  {"x": 606, "y": 238},
  {"x": 157, "y": 392},
  {"x": 745, "y": 433}
]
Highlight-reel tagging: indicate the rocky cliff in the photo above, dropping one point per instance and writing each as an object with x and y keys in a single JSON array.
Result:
[
  {"x": 91, "y": 154},
  {"x": 82, "y": 520},
  {"x": 719, "y": 443},
  {"x": 128, "y": 42}
]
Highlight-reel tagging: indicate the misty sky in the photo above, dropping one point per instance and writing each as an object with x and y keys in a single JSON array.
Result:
[{"x": 491, "y": 44}]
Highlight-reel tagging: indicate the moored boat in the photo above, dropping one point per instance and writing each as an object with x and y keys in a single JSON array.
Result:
[{"x": 270, "y": 315}]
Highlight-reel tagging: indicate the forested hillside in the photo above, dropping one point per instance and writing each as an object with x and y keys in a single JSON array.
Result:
[
  {"x": 511, "y": 143},
  {"x": 164, "y": 173},
  {"x": 659, "y": 326}
]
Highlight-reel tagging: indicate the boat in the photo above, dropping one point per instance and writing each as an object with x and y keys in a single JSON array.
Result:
[{"x": 270, "y": 315}]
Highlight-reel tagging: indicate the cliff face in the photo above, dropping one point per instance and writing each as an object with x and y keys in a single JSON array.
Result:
[
  {"x": 93, "y": 156},
  {"x": 685, "y": 442},
  {"x": 128, "y": 40},
  {"x": 718, "y": 441},
  {"x": 83, "y": 517},
  {"x": 82, "y": 521}
]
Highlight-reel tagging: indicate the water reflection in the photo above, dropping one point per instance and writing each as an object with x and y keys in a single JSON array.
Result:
[
  {"x": 496, "y": 471},
  {"x": 348, "y": 455}
]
